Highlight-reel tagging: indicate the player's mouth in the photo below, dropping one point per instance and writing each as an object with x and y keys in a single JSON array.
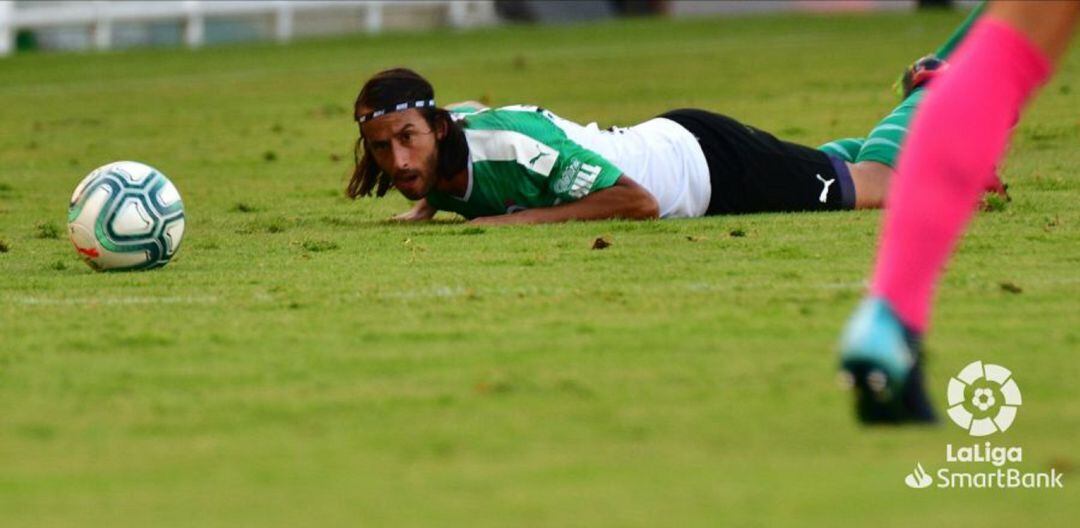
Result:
[
  {"x": 408, "y": 184},
  {"x": 405, "y": 179}
]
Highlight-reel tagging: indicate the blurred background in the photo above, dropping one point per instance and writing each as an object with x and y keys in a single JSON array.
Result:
[{"x": 28, "y": 25}]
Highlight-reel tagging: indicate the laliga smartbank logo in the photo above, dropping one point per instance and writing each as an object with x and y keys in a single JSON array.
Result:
[
  {"x": 918, "y": 478},
  {"x": 983, "y": 400}
]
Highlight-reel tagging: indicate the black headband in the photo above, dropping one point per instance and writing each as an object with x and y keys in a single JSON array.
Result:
[{"x": 430, "y": 103}]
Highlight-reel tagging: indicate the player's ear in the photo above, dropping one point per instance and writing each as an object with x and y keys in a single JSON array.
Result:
[{"x": 442, "y": 127}]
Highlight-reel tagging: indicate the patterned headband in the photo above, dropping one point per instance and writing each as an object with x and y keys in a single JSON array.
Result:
[{"x": 430, "y": 103}]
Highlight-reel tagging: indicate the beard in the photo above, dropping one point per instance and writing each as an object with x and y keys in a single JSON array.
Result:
[{"x": 415, "y": 184}]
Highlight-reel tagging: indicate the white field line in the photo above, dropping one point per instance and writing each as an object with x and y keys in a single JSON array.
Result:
[
  {"x": 457, "y": 291},
  {"x": 444, "y": 292},
  {"x": 438, "y": 292},
  {"x": 454, "y": 291}
]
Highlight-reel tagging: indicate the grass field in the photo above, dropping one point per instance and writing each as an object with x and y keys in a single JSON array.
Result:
[{"x": 304, "y": 363}]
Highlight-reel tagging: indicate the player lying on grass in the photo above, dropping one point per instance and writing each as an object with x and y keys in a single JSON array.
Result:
[{"x": 524, "y": 164}]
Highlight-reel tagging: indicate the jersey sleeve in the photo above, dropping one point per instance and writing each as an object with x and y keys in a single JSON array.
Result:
[
  {"x": 539, "y": 163},
  {"x": 579, "y": 171},
  {"x": 464, "y": 110}
]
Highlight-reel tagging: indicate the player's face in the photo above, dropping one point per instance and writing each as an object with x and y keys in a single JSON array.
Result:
[{"x": 404, "y": 146}]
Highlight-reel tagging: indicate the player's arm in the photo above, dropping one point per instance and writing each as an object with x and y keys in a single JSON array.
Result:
[
  {"x": 625, "y": 199},
  {"x": 420, "y": 212}
]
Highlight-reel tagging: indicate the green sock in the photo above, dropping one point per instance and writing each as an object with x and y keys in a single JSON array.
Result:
[
  {"x": 846, "y": 148},
  {"x": 883, "y": 143},
  {"x": 958, "y": 35}
]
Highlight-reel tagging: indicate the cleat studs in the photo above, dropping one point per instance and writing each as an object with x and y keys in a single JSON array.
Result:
[
  {"x": 876, "y": 381},
  {"x": 845, "y": 380}
]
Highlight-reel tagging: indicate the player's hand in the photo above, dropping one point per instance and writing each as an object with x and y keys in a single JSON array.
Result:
[
  {"x": 486, "y": 221},
  {"x": 411, "y": 216},
  {"x": 419, "y": 213},
  {"x": 520, "y": 217}
]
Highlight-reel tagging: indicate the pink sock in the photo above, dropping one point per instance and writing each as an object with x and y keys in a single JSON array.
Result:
[{"x": 959, "y": 134}]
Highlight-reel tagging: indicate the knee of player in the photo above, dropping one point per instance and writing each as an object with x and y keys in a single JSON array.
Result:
[{"x": 871, "y": 181}]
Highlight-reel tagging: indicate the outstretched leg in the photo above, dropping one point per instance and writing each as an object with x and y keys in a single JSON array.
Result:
[
  {"x": 956, "y": 141},
  {"x": 848, "y": 148},
  {"x": 873, "y": 158}
]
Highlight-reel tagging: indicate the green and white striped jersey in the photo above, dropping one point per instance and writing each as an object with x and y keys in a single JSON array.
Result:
[{"x": 520, "y": 159}]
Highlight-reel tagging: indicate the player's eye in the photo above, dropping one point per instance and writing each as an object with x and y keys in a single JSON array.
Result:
[
  {"x": 379, "y": 146},
  {"x": 405, "y": 138}
]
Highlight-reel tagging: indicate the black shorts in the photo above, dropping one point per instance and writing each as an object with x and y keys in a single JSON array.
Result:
[{"x": 752, "y": 171}]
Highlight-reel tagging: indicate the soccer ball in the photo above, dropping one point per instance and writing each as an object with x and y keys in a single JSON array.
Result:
[{"x": 126, "y": 216}]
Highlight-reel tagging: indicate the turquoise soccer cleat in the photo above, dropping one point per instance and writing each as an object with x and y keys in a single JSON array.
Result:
[{"x": 881, "y": 360}]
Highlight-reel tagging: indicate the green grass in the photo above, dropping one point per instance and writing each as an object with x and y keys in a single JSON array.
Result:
[{"x": 301, "y": 362}]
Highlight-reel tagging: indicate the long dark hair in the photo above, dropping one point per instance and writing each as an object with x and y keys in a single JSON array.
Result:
[{"x": 386, "y": 89}]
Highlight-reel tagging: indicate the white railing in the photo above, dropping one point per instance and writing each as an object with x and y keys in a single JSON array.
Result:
[{"x": 101, "y": 14}]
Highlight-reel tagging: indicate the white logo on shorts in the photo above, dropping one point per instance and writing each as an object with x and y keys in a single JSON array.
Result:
[{"x": 824, "y": 191}]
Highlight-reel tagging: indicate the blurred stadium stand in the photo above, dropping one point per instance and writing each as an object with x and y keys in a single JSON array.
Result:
[
  {"x": 109, "y": 24},
  {"x": 105, "y": 24},
  {"x": 569, "y": 11},
  {"x": 733, "y": 7}
]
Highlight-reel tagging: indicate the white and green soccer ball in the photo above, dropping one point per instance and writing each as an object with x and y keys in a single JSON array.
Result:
[{"x": 126, "y": 216}]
